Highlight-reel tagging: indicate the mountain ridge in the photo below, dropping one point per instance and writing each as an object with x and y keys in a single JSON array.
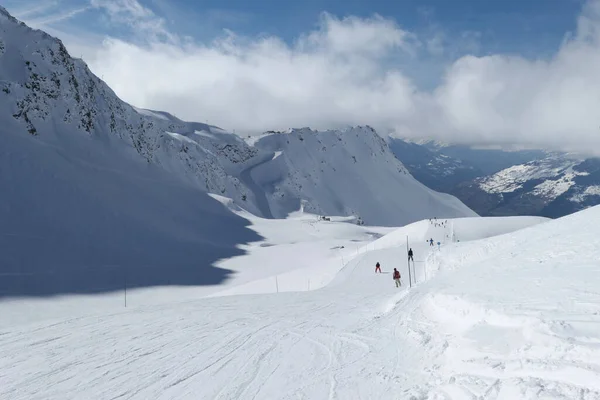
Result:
[{"x": 53, "y": 97}]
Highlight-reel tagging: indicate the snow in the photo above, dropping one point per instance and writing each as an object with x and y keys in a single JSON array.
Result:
[
  {"x": 298, "y": 246},
  {"x": 592, "y": 190},
  {"x": 589, "y": 191},
  {"x": 150, "y": 113},
  {"x": 45, "y": 91},
  {"x": 554, "y": 188},
  {"x": 179, "y": 137},
  {"x": 358, "y": 336},
  {"x": 520, "y": 314},
  {"x": 513, "y": 178},
  {"x": 205, "y": 134},
  {"x": 98, "y": 197},
  {"x": 347, "y": 172}
]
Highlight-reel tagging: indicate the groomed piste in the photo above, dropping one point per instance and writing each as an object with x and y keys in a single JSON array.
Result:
[{"x": 509, "y": 312}]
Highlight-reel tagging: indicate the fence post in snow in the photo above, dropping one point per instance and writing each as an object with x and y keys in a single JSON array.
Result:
[{"x": 276, "y": 284}]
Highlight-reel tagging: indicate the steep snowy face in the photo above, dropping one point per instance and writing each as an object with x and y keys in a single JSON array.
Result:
[
  {"x": 46, "y": 93},
  {"x": 349, "y": 172}
]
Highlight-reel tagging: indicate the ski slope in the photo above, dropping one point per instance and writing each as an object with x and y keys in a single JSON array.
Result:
[
  {"x": 512, "y": 316},
  {"x": 281, "y": 249}
]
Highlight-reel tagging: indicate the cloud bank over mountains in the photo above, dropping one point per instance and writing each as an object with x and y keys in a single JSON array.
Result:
[{"x": 349, "y": 71}]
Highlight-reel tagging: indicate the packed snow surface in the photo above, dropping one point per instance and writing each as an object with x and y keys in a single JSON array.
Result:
[{"x": 512, "y": 316}]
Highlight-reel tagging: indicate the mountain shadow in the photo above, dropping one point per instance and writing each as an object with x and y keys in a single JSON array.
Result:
[{"x": 81, "y": 218}]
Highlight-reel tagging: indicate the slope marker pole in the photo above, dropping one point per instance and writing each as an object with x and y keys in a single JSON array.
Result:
[
  {"x": 408, "y": 264},
  {"x": 276, "y": 284}
]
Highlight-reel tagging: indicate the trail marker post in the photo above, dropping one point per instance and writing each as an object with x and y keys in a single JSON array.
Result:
[{"x": 408, "y": 264}]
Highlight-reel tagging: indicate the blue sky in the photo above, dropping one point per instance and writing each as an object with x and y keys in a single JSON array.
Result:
[
  {"x": 532, "y": 28},
  {"x": 478, "y": 71}
]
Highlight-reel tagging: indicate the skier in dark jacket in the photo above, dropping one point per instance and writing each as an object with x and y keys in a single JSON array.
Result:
[
  {"x": 410, "y": 255},
  {"x": 397, "y": 277},
  {"x": 377, "y": 267}
]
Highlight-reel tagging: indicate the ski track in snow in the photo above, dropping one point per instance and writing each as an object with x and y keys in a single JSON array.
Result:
[{"x": 525, "y": 336}]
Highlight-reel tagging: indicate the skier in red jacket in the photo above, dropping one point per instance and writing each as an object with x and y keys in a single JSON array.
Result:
[
  {"x": 397, "y": 277},
  {"x": 377, "y": 267}
]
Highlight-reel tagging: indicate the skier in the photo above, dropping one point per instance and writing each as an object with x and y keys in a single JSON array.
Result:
[
  {"x": 377, "y": 267},
  {"x": 431, "y": 242},
  {"x": 410, "y": 255},
  {"x": 397, "y": 277}
]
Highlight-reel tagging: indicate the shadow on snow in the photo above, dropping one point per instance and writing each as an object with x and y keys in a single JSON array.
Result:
[{"x": 73, "y": 220}]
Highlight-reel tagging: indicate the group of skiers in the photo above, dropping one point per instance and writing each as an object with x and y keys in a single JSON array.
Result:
[
  {"x": 396, "y": 275},
  {"x": 434, "y": 221}
]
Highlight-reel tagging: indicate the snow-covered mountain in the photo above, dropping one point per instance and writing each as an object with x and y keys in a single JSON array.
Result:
[
  {"x": 45, "y": 90},
  {"x": 484, "y": 161},
  {"x": 88, "y": 180},
  {"x": 554, "y": 186},
  {"x": 487, "y": 160},
  {"x": 348, "y": 172},
  {"x": 497, "y": 182}
]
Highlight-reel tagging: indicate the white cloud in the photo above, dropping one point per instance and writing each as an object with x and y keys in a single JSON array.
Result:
[
  {"x": 373, "y": 37},
  {"x": 41, "y": 14},
  {"x": 435, "y": 45},
  {"x": 508, "y": 99},
  {"x": 262, "y": 83},
  {"x": 34, "y": 9},
  {"x": 58, "y": 17},
  {"x": 134, "y": 15},
  {"x": 340, "y": 74}
]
